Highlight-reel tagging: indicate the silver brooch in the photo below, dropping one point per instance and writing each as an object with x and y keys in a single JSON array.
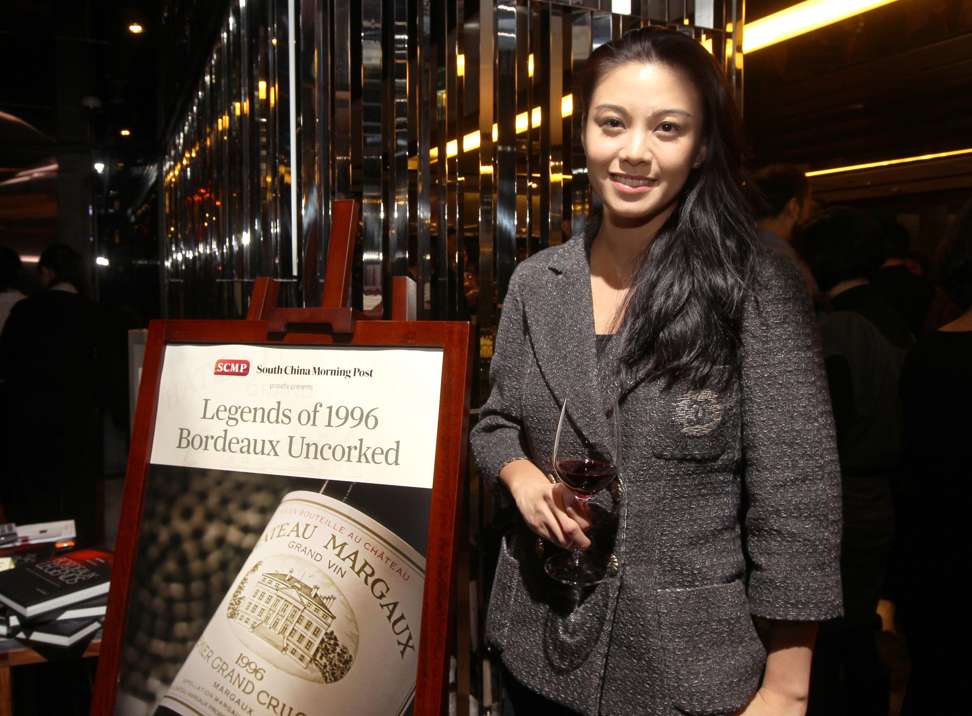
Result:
[
  {"x": 698, "y": 412},
  {"x": 613, "y": 565}
]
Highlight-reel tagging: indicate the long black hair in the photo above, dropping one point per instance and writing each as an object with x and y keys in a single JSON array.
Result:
[{"x": 683, "y": 314}]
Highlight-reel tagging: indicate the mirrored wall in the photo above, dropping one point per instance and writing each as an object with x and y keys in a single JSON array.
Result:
[{"x": 452, "y": 122}]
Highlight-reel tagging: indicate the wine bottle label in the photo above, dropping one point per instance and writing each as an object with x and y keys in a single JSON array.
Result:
[{"x": 323, "y": 617}]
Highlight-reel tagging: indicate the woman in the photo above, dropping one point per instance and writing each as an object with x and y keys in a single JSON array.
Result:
[
  {"x": 936, "y": 391},
  {"x": 728, "y": 461}
]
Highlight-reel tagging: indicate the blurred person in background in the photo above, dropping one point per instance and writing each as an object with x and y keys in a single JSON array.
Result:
[
  {"x": 10, "y": 293},
  {"x": 900, "y": 280},
  {"x": 842, "y": 247},
  {"x": 781, "y": 200},
  {"x": 10, "y": 268},
  {"x": 936, "y": 391},
  {"x": 844, "y": 272},
  {"x": 51, "y": 357}
]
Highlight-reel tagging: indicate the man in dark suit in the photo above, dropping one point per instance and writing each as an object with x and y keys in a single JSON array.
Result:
[
  {"x": 51, "y": 356},
  {"x": 900, "y": 282}
]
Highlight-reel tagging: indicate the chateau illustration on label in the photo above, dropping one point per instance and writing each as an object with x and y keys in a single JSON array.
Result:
[
  {"x": 296, "y": 618},
  {"x": 328, "y": 599}
]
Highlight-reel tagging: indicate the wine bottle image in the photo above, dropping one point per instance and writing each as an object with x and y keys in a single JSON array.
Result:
[{"x": 324, "y": 616}]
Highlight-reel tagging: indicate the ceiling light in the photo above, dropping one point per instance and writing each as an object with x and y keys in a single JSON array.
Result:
[
  {"x": 101, "y": 261},
  {"x": 889, "y": 162},
  {"x": 802, "y": 18},
  {"x": 136, "y": 28},
  {"x": 621, "y": 7},
  {"x": 125, "y": 133},
  {"x": 99, "y": 167}
]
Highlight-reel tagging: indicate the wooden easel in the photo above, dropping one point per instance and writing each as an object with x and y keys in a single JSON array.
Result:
[
  {"x": 334, "y": 322},
  {"x": 334, "y": 313}
]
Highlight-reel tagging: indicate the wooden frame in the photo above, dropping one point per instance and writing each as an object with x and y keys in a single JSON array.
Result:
[{"x": 452, "y": 337}]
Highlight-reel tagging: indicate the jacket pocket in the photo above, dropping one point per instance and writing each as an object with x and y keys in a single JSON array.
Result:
[
  {"x": 501, "y": 596},
  {"x": 695, "y": 425},
  {"x": 713, "y": 657}
]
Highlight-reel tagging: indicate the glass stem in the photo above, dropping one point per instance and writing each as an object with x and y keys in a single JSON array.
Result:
[{"x": 575, "y": 558}]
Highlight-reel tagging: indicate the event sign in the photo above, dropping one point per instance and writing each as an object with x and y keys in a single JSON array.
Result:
[
  {"x": 361, "y": 414},
  {"x": 287, "y": 506}
]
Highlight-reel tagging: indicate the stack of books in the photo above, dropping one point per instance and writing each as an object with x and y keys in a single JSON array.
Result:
[{"x": 56, "y": 602}]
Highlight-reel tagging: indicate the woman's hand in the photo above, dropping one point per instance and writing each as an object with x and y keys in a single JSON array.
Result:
[
  {"x": 550, "y": 510},
  {"x": 770, "y": 703}
]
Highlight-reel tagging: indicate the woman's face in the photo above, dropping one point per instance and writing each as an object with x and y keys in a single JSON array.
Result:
[{"x": 643, "y": 136}]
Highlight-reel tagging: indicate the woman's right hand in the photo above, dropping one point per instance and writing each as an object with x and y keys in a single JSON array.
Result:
[{"x": 550, "y": 510}]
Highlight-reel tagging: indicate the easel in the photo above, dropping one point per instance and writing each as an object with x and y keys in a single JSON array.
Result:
[
  {"x": 334, "y": 322},
  {"x": 334, "y": 313}
]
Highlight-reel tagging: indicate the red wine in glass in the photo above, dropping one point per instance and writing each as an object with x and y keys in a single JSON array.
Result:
[
  {"x": 585, "y": 472},
  {"x": 586, "y": 476}
]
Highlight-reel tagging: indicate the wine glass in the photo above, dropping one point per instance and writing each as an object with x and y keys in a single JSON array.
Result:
[{"x": 585, "y": 470}]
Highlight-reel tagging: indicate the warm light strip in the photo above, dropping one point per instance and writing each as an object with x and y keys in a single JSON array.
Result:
[
  {"x": 522, "y": 122},
  {"x": 470, "y": 141},
  {"x": 889, "y": 162},
  {"x": 292, "y": 97},
  {"x": 802, "y": 18}
]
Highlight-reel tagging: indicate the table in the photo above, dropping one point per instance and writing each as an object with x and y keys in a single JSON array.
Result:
[{"x": 13, "y": 653}]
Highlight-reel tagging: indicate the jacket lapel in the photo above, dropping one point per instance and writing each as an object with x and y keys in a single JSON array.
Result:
[{"x": 560, "y": 322}]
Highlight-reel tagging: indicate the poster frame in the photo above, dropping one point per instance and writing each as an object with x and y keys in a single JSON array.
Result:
[{"x": 453, "y": 337}]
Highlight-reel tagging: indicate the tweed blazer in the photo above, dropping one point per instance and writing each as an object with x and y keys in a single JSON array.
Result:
[{"x": 730, "y": 506}]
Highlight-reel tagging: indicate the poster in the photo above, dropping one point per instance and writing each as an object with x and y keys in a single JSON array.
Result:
[
  {"x": 296, "y": 481},
  {"x": 359, "y": 414}
]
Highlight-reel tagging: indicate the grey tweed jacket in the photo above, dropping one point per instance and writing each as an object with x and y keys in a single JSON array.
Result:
[{"x": 730, "y": 506}]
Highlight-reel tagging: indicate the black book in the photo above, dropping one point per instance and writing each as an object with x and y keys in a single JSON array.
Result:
[
  {"x": 56, "y": 583},
  {"x": 63, "y": 632},
  {"x": 5, "y": 629},
  {"x": 88, "y": 609}
]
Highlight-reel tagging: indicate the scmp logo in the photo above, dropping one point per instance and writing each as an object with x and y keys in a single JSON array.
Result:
[{"x": 232, "y": 367}]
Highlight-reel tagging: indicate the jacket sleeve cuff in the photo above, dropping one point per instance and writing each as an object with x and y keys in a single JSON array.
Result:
[
  {"x": 794, "y": 600},
  {"x": 496, "y": 450}
]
